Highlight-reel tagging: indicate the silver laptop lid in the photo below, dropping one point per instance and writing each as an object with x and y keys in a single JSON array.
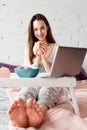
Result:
[{"x": 67, "y": 61}]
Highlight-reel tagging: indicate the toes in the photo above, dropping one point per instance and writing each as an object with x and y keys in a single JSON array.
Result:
[
  {"x": 33, "y": 106},
  {"x": 12, "y": 107},
  {"x": 21, "y": 102},
  {"x": 38, "y": 111},
  {"x": 37, "y": 108},
  {"x": 30, "y": 102},
  {"x": 16, "y": 105}
]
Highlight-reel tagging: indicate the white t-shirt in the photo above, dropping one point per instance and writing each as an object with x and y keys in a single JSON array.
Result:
[{"x": 50, "y": 57}]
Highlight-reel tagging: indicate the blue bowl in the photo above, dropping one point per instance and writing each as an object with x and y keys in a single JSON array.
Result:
[{"x": 26, "y": 72}]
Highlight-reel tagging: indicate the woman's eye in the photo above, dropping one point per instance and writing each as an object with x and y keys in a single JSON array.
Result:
[
  {"x": 42, "y": 27},
  {"x": 35, "y": 29}
]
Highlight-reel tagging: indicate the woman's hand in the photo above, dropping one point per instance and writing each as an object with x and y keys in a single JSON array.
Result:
[
  {"x": 43, "y": 47},
  {"x": 36, "y": 48},
  {"x": 40, "y": 48},
  {"x": 40, "y": 51}
]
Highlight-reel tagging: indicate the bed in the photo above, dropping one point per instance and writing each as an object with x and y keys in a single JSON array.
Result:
[
  {"x": 4, "y": 103},
  {"x": 61, "y": 117}
]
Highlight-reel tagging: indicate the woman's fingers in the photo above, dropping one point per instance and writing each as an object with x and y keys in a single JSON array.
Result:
[{"x": 40, "y": 48}]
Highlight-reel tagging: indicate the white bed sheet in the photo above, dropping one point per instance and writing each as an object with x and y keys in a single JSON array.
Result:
[{"x": 4, "y": 103}]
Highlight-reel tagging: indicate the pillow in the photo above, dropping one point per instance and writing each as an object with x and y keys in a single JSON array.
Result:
[
  {"x": 82, "y": 75},
  {"x": 9, "y": 66}
]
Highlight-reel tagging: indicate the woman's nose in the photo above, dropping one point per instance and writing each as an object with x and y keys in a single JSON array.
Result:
[{"x": 39, "y": 32}]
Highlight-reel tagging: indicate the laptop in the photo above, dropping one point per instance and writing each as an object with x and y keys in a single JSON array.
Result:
[{"x": 67, "y": 61}]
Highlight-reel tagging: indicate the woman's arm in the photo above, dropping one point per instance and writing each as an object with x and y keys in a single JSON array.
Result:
[
  {"x": 37, "y": 61},
  {"x": 46, "y": 64}
]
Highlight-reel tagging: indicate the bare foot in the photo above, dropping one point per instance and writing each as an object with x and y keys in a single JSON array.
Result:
[
  {"x": 35, "y": 114},
  {"x": 17, "y": 113}
]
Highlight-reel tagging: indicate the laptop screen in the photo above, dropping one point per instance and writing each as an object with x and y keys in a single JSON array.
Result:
[{"x": 67, "y": 61}]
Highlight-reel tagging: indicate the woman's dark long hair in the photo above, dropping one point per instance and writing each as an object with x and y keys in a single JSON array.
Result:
[{"x": 31, "y": 37}]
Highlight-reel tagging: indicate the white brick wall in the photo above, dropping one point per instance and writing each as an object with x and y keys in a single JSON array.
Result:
[{"x": 68, "y": 19}]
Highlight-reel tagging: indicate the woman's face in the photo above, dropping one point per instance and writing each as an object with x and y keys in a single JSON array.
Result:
[{"x": 40, "y": 30}]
